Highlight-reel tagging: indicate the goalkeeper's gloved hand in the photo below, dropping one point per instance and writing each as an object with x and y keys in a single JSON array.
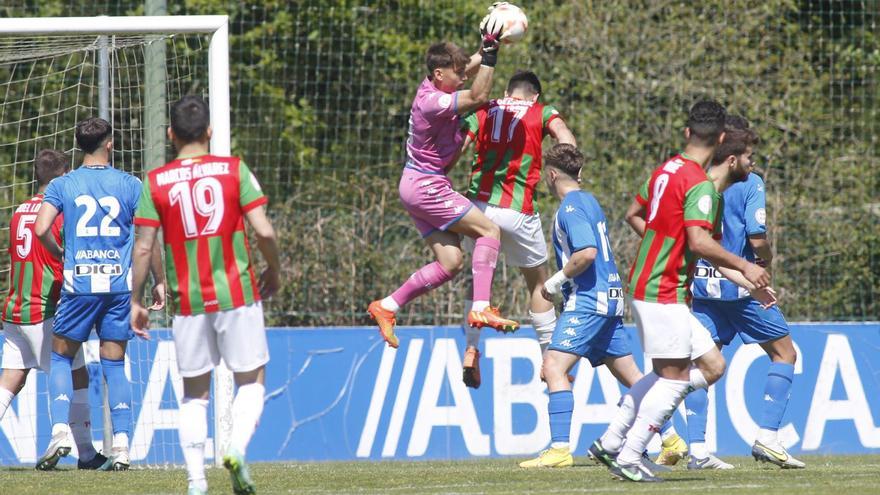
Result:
[{"x": 490, "y": 30}]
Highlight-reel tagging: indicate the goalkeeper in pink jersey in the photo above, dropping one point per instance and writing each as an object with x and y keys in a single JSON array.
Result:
[{"x": 440, "y": 213}]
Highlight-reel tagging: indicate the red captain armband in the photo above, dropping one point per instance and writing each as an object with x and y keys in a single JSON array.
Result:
[
  {"x": 147, "y": 222},
  {"x": 262, "y": 200}
]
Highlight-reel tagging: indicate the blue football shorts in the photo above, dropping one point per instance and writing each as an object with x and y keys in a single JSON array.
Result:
[
  {"x": 589, "y": 335},
  {"x": 746, "y": 317},
  {"x": 108, "y": 314}
]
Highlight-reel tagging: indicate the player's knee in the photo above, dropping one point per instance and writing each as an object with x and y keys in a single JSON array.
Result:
[
  {"x": 453, "y": 263},
  {"x": 491, "y": 230},
  {"x": 713, "y": 369}
]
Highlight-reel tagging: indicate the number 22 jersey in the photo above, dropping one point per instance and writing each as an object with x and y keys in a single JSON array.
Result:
[
  {"x": 98, "y": 203},
  {"x": 200, "y": 203}
]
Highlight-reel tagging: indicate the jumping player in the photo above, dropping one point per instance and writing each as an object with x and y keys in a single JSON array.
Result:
[
  {"x": 676, "y": 213},
  {"x": 440, "y": 213},
  {"x": 508, "y": 133},
  {"x": 201, "y": 201}
]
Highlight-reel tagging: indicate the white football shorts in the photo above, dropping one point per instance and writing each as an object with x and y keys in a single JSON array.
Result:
[
  {"x": 236, "y": 335},
  {"x": 30, "y": 346},
  {"x": 670, "y": 331},
  {"x": 522, "y": 236}
]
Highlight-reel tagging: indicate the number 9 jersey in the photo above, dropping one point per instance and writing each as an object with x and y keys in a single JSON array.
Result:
[
  {"x": 200, "y": 203},
  {"x": 98, "y": 203}
]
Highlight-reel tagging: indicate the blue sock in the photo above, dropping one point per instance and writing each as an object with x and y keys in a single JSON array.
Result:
[
  {"x": 697, "y": 406},
  {"x": 118, "y": 393},
  {"x": 776, "y": 394},
  {"x": 560, "y": 408},
  {"x": 60, "y": 388}
]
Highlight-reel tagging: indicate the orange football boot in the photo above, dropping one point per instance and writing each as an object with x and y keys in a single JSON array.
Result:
[
  {"x": 470, "y": 370},
  {"x": 491, "y": 317},
  {"x": 386, "y": 321}
]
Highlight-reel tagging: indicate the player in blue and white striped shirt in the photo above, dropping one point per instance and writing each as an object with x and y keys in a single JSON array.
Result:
[{"x": 591, "y": 323}]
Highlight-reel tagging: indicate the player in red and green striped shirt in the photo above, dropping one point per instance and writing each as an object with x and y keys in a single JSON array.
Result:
[
  {"x": 676, "y": 212},
  {"x": 35, "y": 278},
  {"x": 201, "y": 202},
  {"x": 508, "y": 133}
]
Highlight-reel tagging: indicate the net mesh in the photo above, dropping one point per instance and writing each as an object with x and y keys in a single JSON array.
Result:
[
  {"x": 50, "y": 83},
  {"x": 321, "y": 93}
]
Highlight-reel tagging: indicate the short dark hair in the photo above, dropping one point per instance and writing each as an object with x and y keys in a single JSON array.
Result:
[
  {"x": 190, "y": 118},
  {"x": 524, "y": 80},
  {"x": 566, "y": 158},
  {"x": 736, "y": 122},
  {"x": 736, "y": 142},
  {"x": 444, "y": 55},
  {"x": 92, "y": 133},
  {"x": 706, "y": 121},
  {"x": 49, "y": 164}
]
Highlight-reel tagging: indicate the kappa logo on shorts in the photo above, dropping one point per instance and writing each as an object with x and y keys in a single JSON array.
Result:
[
  {"x": 433, "y": 190},
  {"x": 566, "y": 343},
  {"x": 570, "y": 331},
  {"x": 447, "y": 203},
  {"x": 574, "y": 321},
  {"x": 459, "y": 209},
  {"x": 569, "y": 209}
]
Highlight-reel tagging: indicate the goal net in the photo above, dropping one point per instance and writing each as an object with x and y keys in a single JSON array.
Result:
[{"x": 128, "y": 71}]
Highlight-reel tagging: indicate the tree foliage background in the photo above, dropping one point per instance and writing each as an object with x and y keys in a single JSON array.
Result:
[{"x": 321, "y": 92}]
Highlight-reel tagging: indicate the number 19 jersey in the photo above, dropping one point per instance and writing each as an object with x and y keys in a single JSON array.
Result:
[
  {"x": 98, "y": 203},
  {"x": 200, "y": 202}
]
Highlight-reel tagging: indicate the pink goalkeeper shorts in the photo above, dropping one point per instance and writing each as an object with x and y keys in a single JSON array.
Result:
[{"x": 431, "y": 201}]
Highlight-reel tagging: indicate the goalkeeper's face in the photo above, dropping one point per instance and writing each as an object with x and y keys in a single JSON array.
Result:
[{"x": 450, "y": 79}]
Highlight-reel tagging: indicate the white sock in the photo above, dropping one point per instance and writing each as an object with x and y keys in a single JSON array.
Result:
[
  {"x": 81, "y": 424},
  {"x": 5, "y": 399},
  {"x": 656, "y": 408},
  {"x": 545, "y": 324},
  {"x": 768, "y": 437},
  {"x": 699, "y": 450},
  {"x": 559, "y": 445},
  {"x": 246, "y": 410},
  {"x": 479, "y": 305},
  {"x": 120, "y": 440},
  {"x": 612, "y": 439},
  {"x": 697, "y": 379},
  {"x": 193, "y": 431},
  {"x": 390, "y": 304}
]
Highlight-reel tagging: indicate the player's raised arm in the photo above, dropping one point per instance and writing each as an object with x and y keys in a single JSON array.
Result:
[
  {"x": 469, "y": 100},
  {"x": 560, "y": 132}
]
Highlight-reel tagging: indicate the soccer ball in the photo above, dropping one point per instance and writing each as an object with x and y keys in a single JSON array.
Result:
[{"x": 513, "y": 19}]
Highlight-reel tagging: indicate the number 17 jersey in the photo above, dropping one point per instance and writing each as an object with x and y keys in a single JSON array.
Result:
[{"x": 200, "y": 203}]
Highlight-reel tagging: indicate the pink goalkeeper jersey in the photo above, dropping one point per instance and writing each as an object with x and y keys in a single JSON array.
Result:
[{"x": 435, "y": 134}]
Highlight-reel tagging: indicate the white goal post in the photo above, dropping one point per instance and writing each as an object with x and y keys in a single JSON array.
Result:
[{"x": 215, "y": 26}]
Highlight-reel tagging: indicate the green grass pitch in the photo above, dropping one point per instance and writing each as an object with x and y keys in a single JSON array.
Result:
[{"x": 836, "y": 475}]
